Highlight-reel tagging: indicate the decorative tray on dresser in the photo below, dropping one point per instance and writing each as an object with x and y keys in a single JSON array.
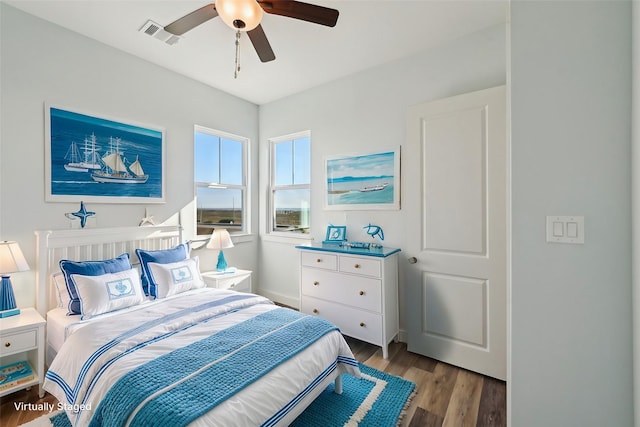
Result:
[{"x": 355, "y": 288}]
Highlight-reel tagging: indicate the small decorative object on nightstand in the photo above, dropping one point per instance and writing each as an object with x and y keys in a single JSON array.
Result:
[
  {"x": 238, "y": 280},
  {"x": 11, "y": 261},
  {"x": 22, "y": 341},
  {"x": 220, "y": 239}
]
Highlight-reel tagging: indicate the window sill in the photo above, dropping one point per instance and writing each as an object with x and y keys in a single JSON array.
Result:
[
  {"x": 287, "y": 238},
  {"x": 242, "y": 238},
  {"x": 235, "y": 238}
]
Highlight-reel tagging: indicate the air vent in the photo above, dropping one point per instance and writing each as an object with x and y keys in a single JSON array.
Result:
[{"x": 155, "y": 30}]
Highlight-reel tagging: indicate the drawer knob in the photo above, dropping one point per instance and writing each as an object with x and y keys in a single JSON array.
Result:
[
  {"x": 361, "y": 293},
  {"x": 316, "y": 283},
  {"x": 7, "y": 344},
  {"x": 356, "y": 266},
  {"x": 362, "y": 324},
  {"x": 319, "y": 260},
  {"x": 315, "y": 311}
]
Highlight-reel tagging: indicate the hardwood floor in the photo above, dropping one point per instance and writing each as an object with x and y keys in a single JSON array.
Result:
[{"x": 445, "y": 395}]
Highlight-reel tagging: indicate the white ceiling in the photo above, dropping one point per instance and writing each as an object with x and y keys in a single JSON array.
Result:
[{"x": 368, "y": 33}]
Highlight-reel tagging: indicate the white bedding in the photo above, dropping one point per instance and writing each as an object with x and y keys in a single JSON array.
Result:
[
  {"x": 252, "y": 405},
  {"x": 60, "y": 325},
  {"x": 57, "y": 324}
]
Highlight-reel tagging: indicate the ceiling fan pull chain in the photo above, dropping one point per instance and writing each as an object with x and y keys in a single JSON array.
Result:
[{"x": 237, "y": 70}]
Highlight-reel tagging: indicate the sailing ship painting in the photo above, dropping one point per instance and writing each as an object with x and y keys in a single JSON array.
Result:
[
  {"x": 83, "y": 163},
  {"x": 116, "y": 171},
  {"x": 368, "y": 181},
  {"x": 73, "y": 156},
  {"x": 108, "y": 165}
]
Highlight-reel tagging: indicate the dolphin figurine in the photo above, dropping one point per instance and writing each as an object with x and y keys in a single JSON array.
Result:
[{"x": 374, "y": 230}]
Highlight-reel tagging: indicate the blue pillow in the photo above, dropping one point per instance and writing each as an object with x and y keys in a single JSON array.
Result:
[
  {"x": 89, "y": 268},
  {"x": 165, "y": 256}
]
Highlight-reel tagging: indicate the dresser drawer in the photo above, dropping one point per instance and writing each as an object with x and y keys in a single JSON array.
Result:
[
  {"x": 21, "y": 341},
  {"x": 322, "y": 260},
  {"x": 360, "y": 292},
  {"x": 355, "y": 323},
  {"x": 360, "y": 265}
]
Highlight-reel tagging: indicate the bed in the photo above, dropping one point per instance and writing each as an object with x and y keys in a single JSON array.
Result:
[{"x": 193, "y": 356}]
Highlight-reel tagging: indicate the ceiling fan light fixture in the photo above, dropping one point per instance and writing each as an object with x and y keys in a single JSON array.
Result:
[{"x": 243, "y": 15}]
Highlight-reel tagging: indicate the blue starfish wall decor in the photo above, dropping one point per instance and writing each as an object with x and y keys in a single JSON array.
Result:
[{"x": 83, "y": 214}]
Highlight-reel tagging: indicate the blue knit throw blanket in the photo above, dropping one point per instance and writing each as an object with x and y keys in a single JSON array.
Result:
[{"x": 178, "y": 387}]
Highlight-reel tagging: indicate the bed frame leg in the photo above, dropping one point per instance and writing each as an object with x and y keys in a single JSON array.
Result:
[{"x": 338, "y": 385}]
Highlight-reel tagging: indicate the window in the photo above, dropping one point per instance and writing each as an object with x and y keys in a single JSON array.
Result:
[
  {"x": 290, "y": 183},
  {"x": 221, "y": 181}
]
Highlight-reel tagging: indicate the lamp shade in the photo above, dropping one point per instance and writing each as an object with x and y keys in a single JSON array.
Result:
[
  {"x": 243, "y": 15},
  {"x": 11, "y": 258},
  {"x": 11, "y": 261},
  {"x": 220, "y": 239}
]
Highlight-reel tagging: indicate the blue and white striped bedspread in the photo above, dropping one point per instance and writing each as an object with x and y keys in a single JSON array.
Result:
[
  {"x": 142, "y": 369},
  {"x": 180, "y": 386}
]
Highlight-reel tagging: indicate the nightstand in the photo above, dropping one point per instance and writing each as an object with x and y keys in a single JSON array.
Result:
[
  {"x": 239, "y": 280},
  {"x": 22, "y": 338}
]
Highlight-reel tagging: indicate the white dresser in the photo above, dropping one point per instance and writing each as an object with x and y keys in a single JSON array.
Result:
[{"x": 356, "y": 289}]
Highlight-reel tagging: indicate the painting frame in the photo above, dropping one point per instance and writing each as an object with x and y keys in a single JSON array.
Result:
[
  {"x": 81, "y": 146},
  {"x": 350, "y": 185},
  {"x": 336, "y": 234}
]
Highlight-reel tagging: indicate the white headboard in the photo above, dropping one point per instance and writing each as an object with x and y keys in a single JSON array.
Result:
[{"x": 94, "y": 244}]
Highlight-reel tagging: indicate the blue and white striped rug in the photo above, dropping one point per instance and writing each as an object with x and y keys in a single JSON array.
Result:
[{"x": 377, "y": 399}]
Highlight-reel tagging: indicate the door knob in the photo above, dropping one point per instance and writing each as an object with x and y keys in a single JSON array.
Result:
[{"x": 413, "y": 260}]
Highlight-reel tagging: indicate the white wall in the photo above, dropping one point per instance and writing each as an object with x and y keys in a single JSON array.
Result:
[
  {"x": 571, "y": 304},
  {"x": 362, "y": 113},
  {"x": 43, "y": 62},
  {"x": 635, "y": 185}
]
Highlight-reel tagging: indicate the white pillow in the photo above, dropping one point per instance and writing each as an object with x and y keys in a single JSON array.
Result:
[
  {"x": 62, "y": 294},
  {"x": 176, "y": 277},
  {"x": 108, "y": 292}
]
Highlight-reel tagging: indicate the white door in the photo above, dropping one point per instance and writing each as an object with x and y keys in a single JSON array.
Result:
[{"x": 455, "y": 181}]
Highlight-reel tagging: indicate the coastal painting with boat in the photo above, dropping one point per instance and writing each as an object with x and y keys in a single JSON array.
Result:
[
  {"x": 90, "y": 158},
  {"x": 367, "y": 181}
]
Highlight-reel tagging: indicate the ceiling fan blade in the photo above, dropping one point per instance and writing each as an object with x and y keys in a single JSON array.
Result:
[
  {"x": 192, "y": 20},
  {"x": 261, "y": 44},
  {"x": 299, "y": 10}
]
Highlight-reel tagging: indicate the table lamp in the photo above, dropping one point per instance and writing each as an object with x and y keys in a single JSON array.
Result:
[
  {"x": 220, "y": 239},
  {"x": 11, "y": 261}
]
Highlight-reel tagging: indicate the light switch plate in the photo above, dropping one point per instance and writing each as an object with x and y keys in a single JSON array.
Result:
[{"x": 565, "y": 229}]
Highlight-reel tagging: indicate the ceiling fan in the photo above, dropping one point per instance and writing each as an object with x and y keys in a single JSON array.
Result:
[{"x": 245, "y": 15}]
